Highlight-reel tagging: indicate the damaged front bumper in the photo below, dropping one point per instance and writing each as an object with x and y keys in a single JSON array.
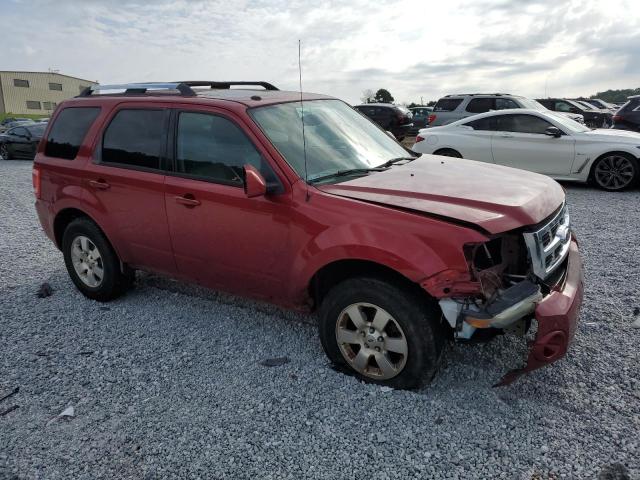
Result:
[
  {"x": 557, "y": 317},
  {"x": 556, "y": 314}
]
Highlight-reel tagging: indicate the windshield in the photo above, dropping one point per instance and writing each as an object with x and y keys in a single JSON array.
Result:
[{"x": 337, "y": 137}]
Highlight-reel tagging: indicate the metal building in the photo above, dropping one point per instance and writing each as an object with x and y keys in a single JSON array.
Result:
[{"x": 37, "y": 92}]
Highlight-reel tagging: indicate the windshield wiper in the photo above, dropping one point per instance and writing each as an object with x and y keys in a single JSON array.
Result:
[
  {"x": 388, "y": 163},
  {"x": 344, "y": 173}
]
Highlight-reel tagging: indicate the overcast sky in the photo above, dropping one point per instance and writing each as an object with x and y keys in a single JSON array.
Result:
[{"x": 414, "y": 48}]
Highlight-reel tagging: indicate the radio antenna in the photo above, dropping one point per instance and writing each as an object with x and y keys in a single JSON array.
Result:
[{"x": 304, "y": 141}]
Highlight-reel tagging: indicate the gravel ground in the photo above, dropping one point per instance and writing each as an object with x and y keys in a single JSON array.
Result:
[{"x": 166, "y": 382}]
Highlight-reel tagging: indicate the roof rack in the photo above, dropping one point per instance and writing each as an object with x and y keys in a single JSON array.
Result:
[
  {"x": 183, "y": 88},
  {"x": 227, "y": 85},
  {"x": 474, "y": 94}
]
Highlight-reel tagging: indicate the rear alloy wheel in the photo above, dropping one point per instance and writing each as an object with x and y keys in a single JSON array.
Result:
[
  {"x": 4, "y": 151},
  {"x": 92, "y": 263},
  {"x": 381, "y": 333},
  {"x": 448, "y": 152},
  {"x": 615, "y": 172}
]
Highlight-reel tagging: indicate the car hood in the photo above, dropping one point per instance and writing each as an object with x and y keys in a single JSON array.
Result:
[
  {"x": 492, "y": 197},
  {"x": 613, "y": 135}
]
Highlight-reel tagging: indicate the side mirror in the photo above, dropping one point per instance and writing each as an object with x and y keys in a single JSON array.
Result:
[
  {"x": 553, "y": 132},
  {"x": 254, "y": 183}
]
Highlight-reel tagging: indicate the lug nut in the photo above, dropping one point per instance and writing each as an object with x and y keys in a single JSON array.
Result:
[
  {"x": 380, "y": 339},
  {"x": 371, "y": 330},
  {"x": 377, "y": 349},
  {"x": 362, "y": 334}
]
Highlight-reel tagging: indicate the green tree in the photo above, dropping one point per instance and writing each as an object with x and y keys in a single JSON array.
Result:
[
  {"x": 616, "y": 96},
  {"x": 383, "y": 96}
]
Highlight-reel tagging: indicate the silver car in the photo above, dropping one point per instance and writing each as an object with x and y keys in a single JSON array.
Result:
[{"x": 451, "y": 108}]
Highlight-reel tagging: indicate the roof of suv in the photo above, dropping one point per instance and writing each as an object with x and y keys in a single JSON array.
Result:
[
  {"x": 454, "y": 95},
  {"x": 183, "y": 91}
]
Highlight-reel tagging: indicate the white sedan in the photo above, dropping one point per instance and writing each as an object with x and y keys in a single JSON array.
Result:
[{"x": 541, "y": 142}]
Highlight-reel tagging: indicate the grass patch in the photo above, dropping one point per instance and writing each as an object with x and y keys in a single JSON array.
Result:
[{"x": 32, "y": 116}]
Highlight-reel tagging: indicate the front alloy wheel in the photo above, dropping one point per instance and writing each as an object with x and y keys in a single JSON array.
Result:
[
  {"x": 371, "y": 341},
  {"x": 381, "y": 331},
  {"x": 615, "y": 172}
]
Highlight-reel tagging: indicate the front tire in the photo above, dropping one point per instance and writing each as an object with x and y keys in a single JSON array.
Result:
[
  {"x": 4, "y": 152},
  {"x": 615, "y": 172},
  {"x": 92, "y": 263},
  {"x": 382, "y": 333}
]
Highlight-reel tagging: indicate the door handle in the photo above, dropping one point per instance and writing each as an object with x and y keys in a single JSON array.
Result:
[
  {"x": 187, "y": 200},
  {"x": 99, "y": 184}
]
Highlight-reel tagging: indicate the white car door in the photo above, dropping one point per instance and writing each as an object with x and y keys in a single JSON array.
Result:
[
  {"x": 473, "y": 139},
  {"x": 519, "y": 141}
]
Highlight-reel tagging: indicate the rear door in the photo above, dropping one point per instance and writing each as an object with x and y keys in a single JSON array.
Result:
[
  {"x": 220, "y": 237},
  {"x": 476, "y": 138},
  {"x": 125, "y": 182},
  {"x": 519, "y": 141}
]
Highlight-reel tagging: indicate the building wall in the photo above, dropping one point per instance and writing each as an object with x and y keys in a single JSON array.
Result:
[{"x": 42, "y": 96}]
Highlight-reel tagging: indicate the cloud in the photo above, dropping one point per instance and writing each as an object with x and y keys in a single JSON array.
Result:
[{"x": 411, "y": 47}]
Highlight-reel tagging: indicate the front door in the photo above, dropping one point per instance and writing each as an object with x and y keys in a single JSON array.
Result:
[
  {"x": 220, "y": 237},
  {"x": 519, "y": 141}
]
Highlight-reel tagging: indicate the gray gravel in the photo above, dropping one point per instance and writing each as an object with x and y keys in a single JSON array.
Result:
[{"x": 167, "y": 382}]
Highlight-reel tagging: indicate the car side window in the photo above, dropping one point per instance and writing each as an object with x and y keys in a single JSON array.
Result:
[
  {"x": 135, "y": 138},
  {"x": 484, "y": 124},
  {"x": 68, "y": 131},
  {"x": 213, "y": 148},
  {"x": 19, "y": 131},
  {"x": 522, "y": 124},
  {"x": 563, "y": 107},
  {"x": 505, "y": 103},
  {"x": 480, "y": 105}
]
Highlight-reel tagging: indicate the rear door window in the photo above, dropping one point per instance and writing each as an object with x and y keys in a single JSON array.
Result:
[
  {"x": 505, "y": 103},
  {"x": 485, "y": 124},
  {"x": 481, "y": 105},
  {"x": 447, "y": 104},
  {"x": 68, "y": 131},
  {"x": 135, "y": 138}
]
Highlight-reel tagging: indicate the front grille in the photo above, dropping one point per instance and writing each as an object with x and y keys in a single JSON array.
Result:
[{"x": 549, "y": 245}]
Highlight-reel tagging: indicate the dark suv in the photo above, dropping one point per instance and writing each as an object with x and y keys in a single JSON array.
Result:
[
  {"x": 594, "y": 118},
  {"x": 300, "y": 200},
  {"x": 628, "y": 116},
  {"x": 392, "y": 118}
]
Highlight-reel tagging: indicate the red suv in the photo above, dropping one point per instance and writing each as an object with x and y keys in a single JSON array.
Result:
[{"x": 303, "y": 202}]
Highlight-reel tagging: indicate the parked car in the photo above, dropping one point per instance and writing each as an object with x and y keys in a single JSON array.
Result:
[
  {"x": 392, "y": 118},
  {"x": 455, "y": 107},
  {"x": 225, "y": 187},
  {"x": 593, "y": 117},
  {"x": 600, "y": 104},
  {"x": 420, "y": 117},
  {"x": 540, "y": 142},
  {"x": 14, "y": 123},
  {"x": 628, "y": 116},
  {"x": 21, "y": 141}
]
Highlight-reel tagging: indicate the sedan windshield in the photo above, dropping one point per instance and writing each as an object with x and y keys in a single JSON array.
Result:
[{"x": 336, "y": 138}]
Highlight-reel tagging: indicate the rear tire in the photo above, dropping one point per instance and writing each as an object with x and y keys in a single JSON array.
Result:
[
  {"x": 448, "y": 152},
  {"x": 92, "y": 263},
  {"x": 615, "y": 172},
  {"x": 381, "y": 333}
]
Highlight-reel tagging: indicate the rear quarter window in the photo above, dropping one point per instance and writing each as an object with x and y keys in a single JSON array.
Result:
[
  {"x": 68, "y": 131},
  {"x": 447, "y": 104}
]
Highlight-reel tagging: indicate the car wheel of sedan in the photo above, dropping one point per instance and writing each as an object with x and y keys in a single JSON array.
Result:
[
  {"x": 615, "y": 171},
  {"x": 380, "y": 332},
  {"x": 92, "y": 263},
  {"x": 4, "y": 152},
  {"x": 448, "y": 152}
]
